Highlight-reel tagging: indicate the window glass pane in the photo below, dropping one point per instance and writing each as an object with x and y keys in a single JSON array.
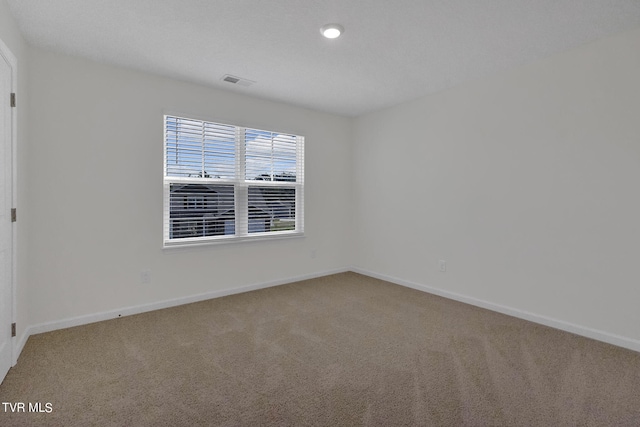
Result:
[
  {"x": 271, "y": 209},
  {"x": 199, "y": 210}
]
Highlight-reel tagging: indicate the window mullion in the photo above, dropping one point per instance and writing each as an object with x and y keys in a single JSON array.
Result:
[{"x": 241, "y": 191}]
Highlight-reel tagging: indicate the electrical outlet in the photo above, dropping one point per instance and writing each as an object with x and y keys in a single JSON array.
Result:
[
  {"x": 145, "y": 277},
  {"x": 314, "y": 253},
  {"x": 442, "y": 265}
]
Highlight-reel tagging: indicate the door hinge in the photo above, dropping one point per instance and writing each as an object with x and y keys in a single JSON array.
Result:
[
  {"x": 14, "y": 215},
  {"x": 13, "y": 99},
  {"x": 13, "y": 329}
]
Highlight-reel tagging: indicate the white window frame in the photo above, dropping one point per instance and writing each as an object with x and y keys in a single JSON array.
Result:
[{"x": 241, "y": 193}]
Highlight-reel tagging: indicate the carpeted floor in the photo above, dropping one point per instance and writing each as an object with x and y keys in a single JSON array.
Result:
[{"x": 342, "y": 350}]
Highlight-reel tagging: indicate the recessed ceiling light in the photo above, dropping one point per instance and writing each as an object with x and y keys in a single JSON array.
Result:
[{"x": 331, "y": 31}]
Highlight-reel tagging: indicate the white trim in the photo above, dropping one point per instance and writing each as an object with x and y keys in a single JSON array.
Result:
[
  {"x": 21, "y": 342},
  {"x": 128, "y": 311},
  {"x": 203, "y": 241},
  {"x": 13, "y": 63},
  {"x": 595, "y": 334}
]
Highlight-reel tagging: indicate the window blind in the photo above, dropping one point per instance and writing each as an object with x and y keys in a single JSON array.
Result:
[
  {"x": 200, "y": 149},
  {"x": 270, "y": 156}
]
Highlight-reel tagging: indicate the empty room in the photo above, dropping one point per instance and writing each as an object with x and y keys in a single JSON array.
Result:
[{"x": 340, "y": 212}]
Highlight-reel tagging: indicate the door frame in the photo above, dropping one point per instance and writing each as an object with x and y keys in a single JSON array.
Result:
[{"x": 6, "y": 53}]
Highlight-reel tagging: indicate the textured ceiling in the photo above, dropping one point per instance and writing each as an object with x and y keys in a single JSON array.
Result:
[{"x": 391, "y": 51}]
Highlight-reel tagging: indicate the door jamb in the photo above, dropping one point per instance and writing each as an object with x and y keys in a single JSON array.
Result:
[{"x": 6, "y": 53}]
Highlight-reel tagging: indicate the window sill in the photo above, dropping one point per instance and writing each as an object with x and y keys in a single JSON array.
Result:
[{"x": 199, "y": 242}]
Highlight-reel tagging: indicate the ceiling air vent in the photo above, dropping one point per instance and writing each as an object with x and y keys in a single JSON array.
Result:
[{"x": 237, "y": 80}]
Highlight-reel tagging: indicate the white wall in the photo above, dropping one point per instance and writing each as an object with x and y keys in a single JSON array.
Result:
[
  {"x": 527, "y": 183},
  {"x": 11, "y": 37},
  {"x": 95, "y": 195}
]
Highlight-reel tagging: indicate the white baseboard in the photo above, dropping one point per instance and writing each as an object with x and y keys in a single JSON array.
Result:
[
  {"x": 128, "y": 311},
  {"x": 19, "y": 345},
  {"x": 617, "y": 340},
  {"x": 595, "y": 334}
]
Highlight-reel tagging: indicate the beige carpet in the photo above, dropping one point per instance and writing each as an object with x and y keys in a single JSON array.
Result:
[{"x": 343, "y": 350}]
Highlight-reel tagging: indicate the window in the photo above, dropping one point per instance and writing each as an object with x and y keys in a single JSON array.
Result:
[{"x": 228, "y": 183}]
